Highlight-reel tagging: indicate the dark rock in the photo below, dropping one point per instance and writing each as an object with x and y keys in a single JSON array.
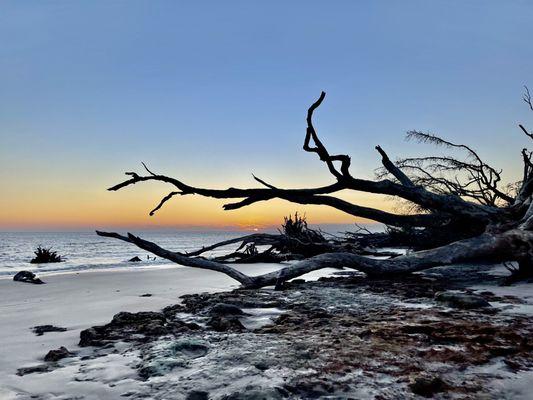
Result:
[
  {"x": 261, "y": 366},
  {"x": 58, "y": 354},
  {"x": 171, "y": 311},
  {"x": 90, "y": 337},
  {"x": 28, "y": 277},
  {"x": 258, "y": 394},
  {"x": 128, "y": 318},
  {"x": 228, "y": 323},
  {"x": 135, "y": 259},
  {"x": 133, "y": 326},
  {"x": 197, "y": 395},
  {"x": 427, "y": 386},
  {"x": 42, "y": 329},
  {"x": 221, "y": 309},
  {"x": 462, "y": 300},
  {"x": 41, "y": 368},
  {"x": 146, "y": 295}
]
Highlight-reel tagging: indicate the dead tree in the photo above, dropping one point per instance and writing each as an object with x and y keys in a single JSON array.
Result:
[
  {"x": 460, "y": 199},
  {"x": 295, "y": 241}
]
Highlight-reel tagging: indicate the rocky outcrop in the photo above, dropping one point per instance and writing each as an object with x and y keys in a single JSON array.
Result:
[
  {"x": 335, "y": 338},
  {"x": 223, "y": 309},
  {"x": 133, "y": 327},
  {"x": 58, "y": 354}
]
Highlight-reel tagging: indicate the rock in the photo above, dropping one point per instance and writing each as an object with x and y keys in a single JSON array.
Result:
[
  {"x": 191, "y": 349},
  {"x": 28, "y": 277},
  {"x": 127, "y": 318},
  {"x": 197, "y": 395},
  {"x": 427, "y": 386},
  {"x": 58, "y": 354},
  {"x": 133, "y": 326},
  {"x": 41, "y": 368},
  {"x": 90, "y": 337},
  {"x": 262, "y": 365},
  {"x": 146, "y": 295},
  {"x": 461, "y": 300},
  {"x": 135, "y": 259},
  {"x": 42, "y": 329},
  {"x": 258, "y": 394},
  {"x": 162, "y": 357},
  {"x": 221, "y": 309},
  {"x": 228, "y": 323}
]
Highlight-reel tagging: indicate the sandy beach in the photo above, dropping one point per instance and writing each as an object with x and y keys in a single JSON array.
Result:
[{"x": 77, "y": 301}]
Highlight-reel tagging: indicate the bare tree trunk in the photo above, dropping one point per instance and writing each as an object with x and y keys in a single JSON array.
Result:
[
  {"x": 493, "y": 225},
  {"x": 512, "y": 244}
]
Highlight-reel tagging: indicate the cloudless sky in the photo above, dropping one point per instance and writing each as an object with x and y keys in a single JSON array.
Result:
[{"x": 211, "y": 91}]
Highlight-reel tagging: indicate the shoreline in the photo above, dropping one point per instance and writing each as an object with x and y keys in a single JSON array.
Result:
[
  {"x": 77, "y": 300},
  {"x": 311, "y": 335}
]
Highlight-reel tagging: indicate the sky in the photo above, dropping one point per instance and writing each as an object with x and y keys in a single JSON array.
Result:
[{"x": 211, "y": 92}]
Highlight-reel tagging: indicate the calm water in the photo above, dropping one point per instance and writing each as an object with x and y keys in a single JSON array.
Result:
[{"x": 86, "y": 250}]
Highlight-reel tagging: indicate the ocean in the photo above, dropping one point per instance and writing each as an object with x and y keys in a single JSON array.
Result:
[{"x": 87, "y": 251}]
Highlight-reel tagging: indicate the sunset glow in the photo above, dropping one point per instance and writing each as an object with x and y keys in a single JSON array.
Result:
[{"x": 212, "y": 103}]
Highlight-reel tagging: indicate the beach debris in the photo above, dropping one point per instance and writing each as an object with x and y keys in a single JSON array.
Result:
[
  {"x": 41, "y": 368},
  {"x": 40, "y": 330},
  {"x": 461, "y": 300},
  {"x": 57, "y": 354},
  {"x": 462, "y": 217},
  {"x": 45, "y": 255},
  {"x": 27, "y": 277},
  {"x": 134, "y": 259}
]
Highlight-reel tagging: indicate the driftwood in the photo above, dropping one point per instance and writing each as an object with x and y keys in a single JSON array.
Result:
[
  {"x": 295, "y": 241},
  {"x": 449, "y": 199}
]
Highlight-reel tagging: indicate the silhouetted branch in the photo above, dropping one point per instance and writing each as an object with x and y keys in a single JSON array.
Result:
[{"x": 527, "y": 98}]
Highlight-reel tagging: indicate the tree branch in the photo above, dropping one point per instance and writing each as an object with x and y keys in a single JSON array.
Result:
[
  {"x": 180, "y": 258},
  {"x": 511, "y": 245},
  {"x": 445, "y": 204},
  {"x": 393, "y": 169}
]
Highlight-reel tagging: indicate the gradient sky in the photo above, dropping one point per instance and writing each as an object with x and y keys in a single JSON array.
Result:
[{"x": 211, "y": 91}]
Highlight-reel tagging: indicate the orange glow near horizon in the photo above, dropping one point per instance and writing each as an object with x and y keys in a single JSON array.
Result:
[{"x": 128, "y": 209}]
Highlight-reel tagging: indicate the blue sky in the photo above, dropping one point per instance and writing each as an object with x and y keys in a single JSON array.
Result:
[{"x": 211, "y": 91}]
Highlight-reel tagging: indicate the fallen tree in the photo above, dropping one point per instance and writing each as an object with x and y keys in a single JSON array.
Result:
[
  {"x": 295, "y": 241},
  {"x": 458, "y": 212}
]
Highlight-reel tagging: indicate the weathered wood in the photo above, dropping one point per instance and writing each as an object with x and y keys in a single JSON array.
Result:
[
  {"x": 516, "y": 244},
  {"x": 493, "y": 225}
]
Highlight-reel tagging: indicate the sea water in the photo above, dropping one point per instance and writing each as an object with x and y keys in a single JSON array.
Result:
[{"x": 87, "y": 250}]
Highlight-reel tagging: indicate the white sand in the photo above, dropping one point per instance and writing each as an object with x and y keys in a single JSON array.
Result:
[{"x": 77, "y": 301}]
